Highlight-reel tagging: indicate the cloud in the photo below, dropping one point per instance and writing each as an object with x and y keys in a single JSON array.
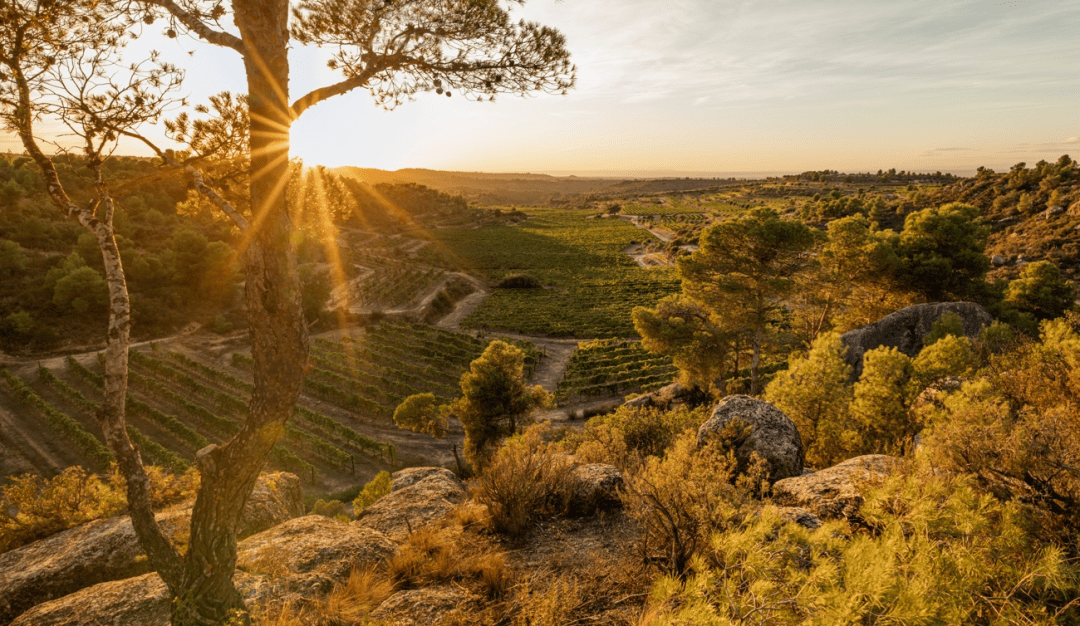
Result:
[{"x": 942, "y": 151}]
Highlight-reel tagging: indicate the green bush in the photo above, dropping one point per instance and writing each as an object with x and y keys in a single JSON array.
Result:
[
  {"x": 937, "y": 552},
  {"x": 375, "y": 489}
]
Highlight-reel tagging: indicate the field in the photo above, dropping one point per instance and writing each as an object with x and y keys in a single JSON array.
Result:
[
  {"x": 341, "y": 432},
  {"x": 610, "y": 367},
  {"x": 589, "y": 284}
]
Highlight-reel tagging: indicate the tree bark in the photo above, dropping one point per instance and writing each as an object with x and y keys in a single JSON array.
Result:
[
  {"x": 159, "y": 550},
  {"x": 279, "y": 341},
  {"x": 756, "y": 359}
]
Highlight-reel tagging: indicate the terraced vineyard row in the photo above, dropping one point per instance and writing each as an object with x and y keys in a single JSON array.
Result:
[
  {"x": 608, "y": 367},
  {"x": 589, "y": 285},
  {"x": 391, "y": 281},
  {"x": 372, "y": 374}
]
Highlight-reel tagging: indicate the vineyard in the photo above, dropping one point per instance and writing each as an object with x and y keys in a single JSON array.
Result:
[
  {"x": 609, "y": 367},
  {"x": 392, "y": 282},
  {"x": 590, "y": 286},
  {"x": 177, "y": 404}
]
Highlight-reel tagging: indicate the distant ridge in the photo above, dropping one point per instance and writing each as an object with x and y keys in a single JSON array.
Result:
[{"x": 525, "y": 189}]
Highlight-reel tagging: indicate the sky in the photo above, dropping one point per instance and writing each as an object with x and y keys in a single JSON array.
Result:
[{"x": 717, "y": 87}]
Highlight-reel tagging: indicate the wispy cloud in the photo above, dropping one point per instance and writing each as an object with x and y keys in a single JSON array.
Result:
[{"x": 943, "y": 151}]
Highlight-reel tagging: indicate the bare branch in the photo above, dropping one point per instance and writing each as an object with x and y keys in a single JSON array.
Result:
[
  {"x": 200, "y": 182},
  {"x": 197, "y": 26},
  {"x": 323, "y": 93}
]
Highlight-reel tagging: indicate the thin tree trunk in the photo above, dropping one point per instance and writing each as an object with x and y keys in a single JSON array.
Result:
[
  {"x": 160, "y": 552},
  {"x": 275, "y": 316},
  {"x": 758, "y": 337}
]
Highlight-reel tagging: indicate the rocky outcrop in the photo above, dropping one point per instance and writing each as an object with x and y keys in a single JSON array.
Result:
[
  {"x": 906, "y": 328},
  {"x": 424, "y": 607},
  {"x": 276, "y": 497},
  {"x": 312, "y": 553},
  {"x": 670, "y": 396},
  {"x": 594, "y": 487},
  {"x": 773, "y": 436},
  {"x": 412, "y": 475},
  {"x": 837, "y": 491},
  {"x": 142, "y": 601},
  {"x": 404, "y": 510},
  {"x": 107, "y": 549},
  {"x": 305, "y": 555}
]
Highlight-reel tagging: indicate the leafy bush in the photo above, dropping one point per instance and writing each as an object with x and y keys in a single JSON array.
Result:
[
  {"x": 375, "y": 489},
  {"x": 938, "y": 553},
  {"x": 631, "y": 434},
  {"x": 1015, "y": 429},
  {"x": 815, "y": 392},
  {"x": 519, "y": 281},
  {"x": 681, "y": 499},
  {"x": 32, "y": 507}
]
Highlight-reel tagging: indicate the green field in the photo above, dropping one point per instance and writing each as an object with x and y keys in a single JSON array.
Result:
[{"x": 590, "y": 286}]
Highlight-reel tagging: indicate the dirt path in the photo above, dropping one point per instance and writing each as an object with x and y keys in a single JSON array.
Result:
[
  {"x": 463, "y": 308},
  {"x": 556, "y": 360}
]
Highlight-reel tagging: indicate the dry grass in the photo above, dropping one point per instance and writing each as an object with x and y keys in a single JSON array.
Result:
[
  {"x": 433, "y": 556},
  {"x": 525, "y": 480}
]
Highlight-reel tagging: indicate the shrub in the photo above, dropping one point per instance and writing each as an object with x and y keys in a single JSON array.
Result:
[
  {"x": 878, "y": 406},
  {"x": 1015, "y": 430},
  {"x": 519, "y": 281},
  {"x": 815, "y": 392},
  {"x": 630, "y": 434},
  {"x": 525, "y": 479},
  {"x": 334, "y": 509},
  {"x": 32, "y": 507},
  {"x": 377, "y": 488},
  {"x": 681, "y": 499},
  {"x": 938, "y": 553}
]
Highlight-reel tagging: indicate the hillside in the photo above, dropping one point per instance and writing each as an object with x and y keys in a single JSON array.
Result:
[{"x": 520, "y": 189}]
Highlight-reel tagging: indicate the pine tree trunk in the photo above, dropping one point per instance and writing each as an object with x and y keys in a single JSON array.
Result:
[
  {"x": 756, "y": 359},
  {"x": 159, "y": 550},
  {"x": 275, "y": 316}
]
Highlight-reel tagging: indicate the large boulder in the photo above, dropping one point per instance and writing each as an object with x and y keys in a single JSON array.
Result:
[
  {"x": 773, "y": 436},
  {"x": 594, "y": 487},
  {"x": 411, "y": 475},
  {"x": 836, "y": 492},
  {"x": 277, "y": 497},
  {"x": 107, "y": 549},
  {"x": 424, "y": 502},
  {"x": 312, "y": 553},
  {"x": 142, "y": 600},
  {"x": 906, "y": 328}
]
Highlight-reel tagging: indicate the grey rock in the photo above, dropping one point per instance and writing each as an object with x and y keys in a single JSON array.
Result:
[
  {"x": 312, "y": 553},
  {"x": 429, "y": 606},
  {"x": 773, "y": 435},
  {"x": 663, "y": 398},
  {"x": 800, "y": 516},
  {"x": 906, "y": 328},
  {"x": 594, "y": 487},
  {"x": 997, "y": 260},
  {"x": 107, "y": 549},
  {"x": 837, "y": 491},
  {"x": 139, "y": 601},
  {"x": 412, "y": 475},
  {"x": 426, "y": 501}
]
